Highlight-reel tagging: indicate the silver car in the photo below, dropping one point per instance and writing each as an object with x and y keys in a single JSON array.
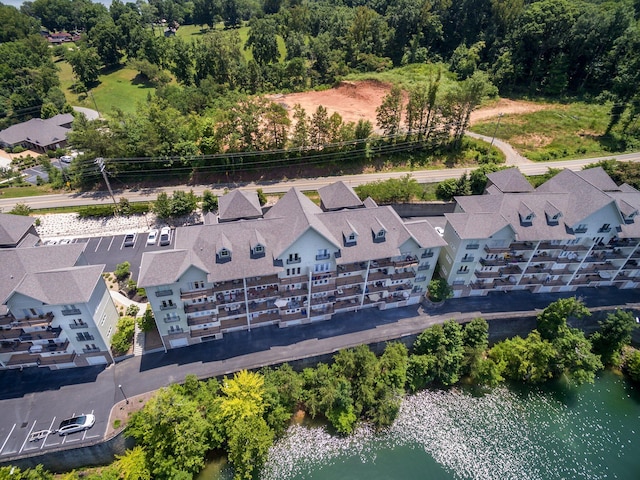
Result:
[{"x": 76, "y": 424}]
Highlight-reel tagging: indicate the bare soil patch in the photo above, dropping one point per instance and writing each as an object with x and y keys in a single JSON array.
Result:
[
  {"x": 506, "y": 106},
  {"x": 532, "y": 140}
]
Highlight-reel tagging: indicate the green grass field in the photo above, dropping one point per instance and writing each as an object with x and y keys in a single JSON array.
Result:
[
  {"x": 409, "y": 75},
  {"x": 560, "y": 132},
  {"x": 116, "y": 89}
]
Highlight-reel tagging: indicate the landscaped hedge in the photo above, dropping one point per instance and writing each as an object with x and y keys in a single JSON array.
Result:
[{"x": 102, "y": 211}]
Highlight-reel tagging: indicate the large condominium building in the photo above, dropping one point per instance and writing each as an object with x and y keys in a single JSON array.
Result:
[
  {"x": 294, "y": 264},
  {"x": 55, "y": 310},
  {"x": 577, "y": 229}
]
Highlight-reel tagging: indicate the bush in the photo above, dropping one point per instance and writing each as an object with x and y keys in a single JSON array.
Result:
[
  {"x": 21, "y": 209},
  {"x": 132, "y": 310},
  {"x": 209, "y": 202},
  {"x": 122, "y": 271},
  {"x": 393, "y": 190},
  {"x": 123, "y": 338},
  {"x": 439, "y": 290},
  {"x": 147, "y": 321}
]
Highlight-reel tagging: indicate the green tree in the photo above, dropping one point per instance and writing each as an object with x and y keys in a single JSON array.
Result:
[
  {"x": 614, "y": 334},
  {"x": 445, "y": 343},
  {"x": 162, "y": 206},
  {"x": 421, "y": 371},
  {"x": 85, "y": 64},
  {"x": 123, "y": 338},
  {"x": 183, "y": 203},
  {"x": 633, "y": 365},
  {"x": 209, "y": 201},
  {"x": 147, "y": 322},
  {"x": 21, "y": 209},
  {"x": 122, "y": 271},
  {"x": 389, "y": 113},
  {"x": 359, "y": 366},
  {"x": 574, "y": 356},
  {"x": 439, "y": 290},
  {"x": 526, "y": 360},
  {"x": 133, "y": 464},
  {"x": 553, "y": 319},
  {"x": 249, "y": 441},
  {"x": 262, "y": 40}
]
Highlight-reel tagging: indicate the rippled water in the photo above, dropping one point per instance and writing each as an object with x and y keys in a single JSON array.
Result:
[{"x": 560, "y": 433}]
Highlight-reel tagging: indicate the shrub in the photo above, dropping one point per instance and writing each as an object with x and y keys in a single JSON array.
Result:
[
  {"x": 123, "y": 338},
  {"x": 132, "y": 310},
  {"x": 209, "y": 201},
  {"x": 122, "y": 271},
  {"x": 147, "y": 321},
  {"x": 439, "y": 290},
  {"x": 21, "y": 209}
]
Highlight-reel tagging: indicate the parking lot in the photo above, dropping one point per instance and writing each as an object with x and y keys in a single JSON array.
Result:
[
  {"x": 40, "y": 434},
  {"x": 111, "y": 250}
]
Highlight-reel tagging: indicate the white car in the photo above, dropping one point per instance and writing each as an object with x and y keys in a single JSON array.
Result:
[
  {"x": 165, "y": 236},
  {"x": 152, "y": 238},
  {"x": 76, "y": 424}
]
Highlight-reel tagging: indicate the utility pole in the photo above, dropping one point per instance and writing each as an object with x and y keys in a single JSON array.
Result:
[
  {"x": 100, "y": 162},
  {"x": 496, "y": 130}
]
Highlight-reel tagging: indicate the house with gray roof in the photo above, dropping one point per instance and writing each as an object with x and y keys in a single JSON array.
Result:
[
  {"x": 38, "y": 134},
  {"x": 297, "y": 263},
  {"x": 577, "y": 229},
  {"x": 55, "y": 310}
]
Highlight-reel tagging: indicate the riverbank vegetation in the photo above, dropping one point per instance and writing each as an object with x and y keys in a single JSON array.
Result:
[{"x": 243, "y": 414}]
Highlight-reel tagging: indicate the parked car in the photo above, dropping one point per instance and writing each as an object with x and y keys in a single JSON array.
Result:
[
  {"x": 76, "y": 424},
  {"x": 152, "y": 238},
  {"x": 130, "y": 239},
  {"x": 165, "y": 236},
  {"x": 66, "y": 159}
]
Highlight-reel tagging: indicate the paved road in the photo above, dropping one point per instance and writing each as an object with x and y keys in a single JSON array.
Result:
[
  {"x": 422, "y": 176},
  {"x": 35, "y": 399}
]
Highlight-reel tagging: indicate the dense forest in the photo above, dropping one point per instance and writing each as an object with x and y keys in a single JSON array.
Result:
[{"x": 205, "y": 113}]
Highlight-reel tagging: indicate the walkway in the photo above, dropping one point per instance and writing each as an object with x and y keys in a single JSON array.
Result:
[{"x": 513, "y": 158}]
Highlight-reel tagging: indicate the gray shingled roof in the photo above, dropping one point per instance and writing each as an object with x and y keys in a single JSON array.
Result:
[
  {"x": 293, "y": 215},
  {"x": 37, "y": 131},
  {"x": 13, "y": 228},
  {"x": 20, "y": 262},
  {"x": 339, "y": 195},
  {"x": 470, "y": 226},
  {"x": 424, "y": 232},
  {"x": 239, "y": 204},
  {"x": 61, "y": 287},
  {"x": 509, "y": 181}
]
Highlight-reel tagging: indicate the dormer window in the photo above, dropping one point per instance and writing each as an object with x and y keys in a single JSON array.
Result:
[
  {"x": 380, "y": 234},
  {"x": 224, "y": 253},
  {"x": 258, "y": 249},
  {"x": 378, "y": 231},
  {"x": 352, "y": 238}
]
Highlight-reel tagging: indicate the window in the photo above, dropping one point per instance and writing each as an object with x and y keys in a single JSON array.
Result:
[
  {"x": 84, "y": 336},
  {"x": 224, "y": 253},
  {"x": 293, "y": 258},
  {"x": 605, "y": 228},
  {"x": 258, "y": 249},
  {"x": 322, "y": 254},
  {"x": 380, "y": 234},
  {"x": 352, "y": 237},
  {"x": 321, "y": 267}
]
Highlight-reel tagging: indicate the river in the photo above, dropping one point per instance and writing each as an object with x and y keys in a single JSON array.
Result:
[{"x": 555, "y": 432}]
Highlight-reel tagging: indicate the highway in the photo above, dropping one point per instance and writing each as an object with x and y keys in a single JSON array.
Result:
[{"x": 422, "y": 176}]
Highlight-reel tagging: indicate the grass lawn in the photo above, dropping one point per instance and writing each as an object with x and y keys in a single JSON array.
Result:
[
  {"x": 409, "y": 75},
  {"x": 26, "y": 191},
  {"x": 115, "y": 90},
  {"x": 559, "y": 132}
]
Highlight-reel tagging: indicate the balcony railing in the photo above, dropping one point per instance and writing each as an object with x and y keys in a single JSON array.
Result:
[
  {"x": 191, "y": 294},
  {"x": 291, "y": 261},
  {"x": 71, "y": 311},
  {"x": 78, "y": 325},
  {"x": 90, "y": 349},
  {"x": 199, "y": 307},
  {"x": 168, "y": 307},
  {"x": 35, "y": 321},
  {"x": 604, "y": 230},
  {"x": 323, "y": 256},
  {"x": 468, "y": 259},
  {"x": 428, "y": 254},
  {"x": 164, "y": 293},
  {"x": 580, "y": 230},
  {"x": 473, "y": 246},
  {"x": 423, "y": 267},
  {"x": 496, "y": 249},
  {"x": 202, "y": 320}
]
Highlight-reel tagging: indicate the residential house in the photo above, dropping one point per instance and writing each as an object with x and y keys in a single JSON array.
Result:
[
  {"x": 38, "y": 134},
  {"x": 577, "y": 229},
  {"x": 294, "y": 264},
  {"x": 17, "y": 231}
]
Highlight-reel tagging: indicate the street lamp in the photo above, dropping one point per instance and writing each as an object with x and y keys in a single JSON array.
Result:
[{"x": 123, "y": 394}]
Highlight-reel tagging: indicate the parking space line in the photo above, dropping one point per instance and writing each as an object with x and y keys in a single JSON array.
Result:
[
  {"x": 7, "y": 439},
  {"x": 98, "y": 245},
  {"x": 27, "y": 437},
  {"x": 45, "y": 438},
  {"x": 111, "y": 243}
]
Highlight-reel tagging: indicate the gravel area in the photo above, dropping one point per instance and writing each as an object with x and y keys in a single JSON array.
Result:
[{"x": 63, "y": 225}]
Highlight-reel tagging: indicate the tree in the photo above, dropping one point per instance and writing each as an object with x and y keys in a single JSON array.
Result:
[
  {"x": 262, "y": 41},
  {"x": 633, "y": 365},
  {"x": 319, "y": 129},
  {"x": 182, "y": 203},
  {"x": 444, "y": 342},
  {"x": 525, "y": 360},
  {"x": 242, "y": 397},
  {"x": 105, "y": 37},
  {"x": 300, "y": 137},
  {"x": 554, "y": 318},
  {"x": 389, "y": 113},
  {"x": 574, "y": 356},
  {"x": 614, "y": 334},
  {"x": 123, "y": 338},
  {"x": 162, "y": 206},
  {"x": 147, "y": 322},
  {"x": 85, "y": 64},
  {"x": 420, "y": 371},
  {"x": 21, "y": 209},
  {"x": 359, "y": 366},
  {"x": 133, "y": 464},
  {"x": 122, "y": 271},
  {"x": 262, "y": 198},
  {"x": 209, "y": 201},
  {"x": 439, "y": 290},
  {"x": 249, "y": 441}
]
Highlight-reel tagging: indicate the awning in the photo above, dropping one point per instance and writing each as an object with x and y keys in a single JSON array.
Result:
[
  {"x": 374, "y": 297},
  {"x": 281, "y": 302}
]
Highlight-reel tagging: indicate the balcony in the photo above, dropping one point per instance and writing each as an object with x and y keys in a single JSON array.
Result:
[
  {"x": 193, "y": 294},
  {"x": 78, "y": 324},
  {"x": 568, "y": 259},
  {"x": 473, "y": 246},
  {"x": 350, "y": 304},
  {"x": 294, "y": 292},
  {"x": 175, "y": 330},
  {"x": 202, "y": 320},
  {"x": 35, "y": 321},
  {"x": 463, "y": 271},
  {"x": 88, "y": 349},
  {"x": 510, "y": 270},
  {"x": 199, "y": 307},
  {"x": 233, "y": 323},
  {"x": 296, "y": 279},
  {"x": 373, "y": 276},
  {"x": 232, "y": 312},
  {"x": 323, "y": 288},
  {"x": 71, "y": 311},
  {"x": 349, "y": 280},
  {"x": 497, "y": 249},
  {"x": 266, "y": 280},
  {"x": 323, "y": 256},
  {"x": 292, "y": 261},
  {"x": 468, "y": 258},
  {"x": 265, "y": 318},
  {"x": 604, "y": 229},
  {"x": 164, "y": 293},
  {"x": 381, "y": 262},
  {"x": 550, "y": 246},
  {"x": 580, "y": 230},
  {"x": 406, "y": 261},
  {"x": 523, "y": 246},
  {"x": 428, "y": 254},
  {"x": 13, "y": 345},
  {"x": 493, "y": 262},
  {"x": 423, "y": 267},
  {"x": 204, "y": 332},
  {"x": 342, "y": 293},
  {"x": 254, "y": 293},
  {"x": 537, "y": 269},
  {"x": 402, "y": 275},
  {"x": 352, "y": 267},
  {"x": 486, "y": 274},
  {"x": 47, "y": 333},
  {"x": 172, "y": 306}
]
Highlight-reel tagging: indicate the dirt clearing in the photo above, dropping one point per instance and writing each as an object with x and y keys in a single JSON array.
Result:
[{"x": 359, "y": 100}]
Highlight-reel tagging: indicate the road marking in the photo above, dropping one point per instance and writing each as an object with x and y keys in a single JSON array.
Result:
[
  {"x": 45, "y": 438},
  {"x": 7, "y": 439},
  {"x": 110, "y": 243},
  {"x": 27, "y": 437},
  {"x": 98, "y": 245}
]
